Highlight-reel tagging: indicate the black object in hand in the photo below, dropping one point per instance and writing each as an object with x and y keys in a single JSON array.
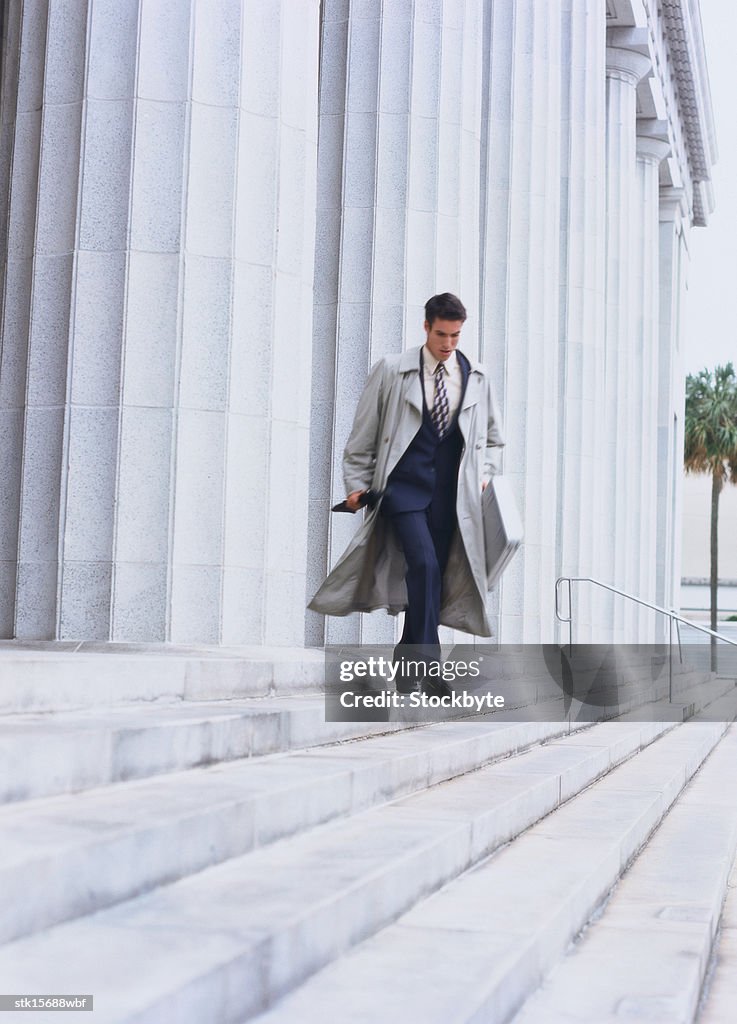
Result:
[{"x": 368, "y": 498}]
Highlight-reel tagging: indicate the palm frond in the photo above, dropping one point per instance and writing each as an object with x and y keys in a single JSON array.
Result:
[{"x": 710, "y": 425}]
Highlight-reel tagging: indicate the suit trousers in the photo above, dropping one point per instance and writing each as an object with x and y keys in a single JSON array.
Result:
[{"x": 426, "y": 548}]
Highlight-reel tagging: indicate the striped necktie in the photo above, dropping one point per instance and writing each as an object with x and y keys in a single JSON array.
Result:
[{"x": 439, "y": 412}]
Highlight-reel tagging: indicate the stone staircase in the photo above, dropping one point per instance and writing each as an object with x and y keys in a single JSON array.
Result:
[{"x": 195, "y": 844}]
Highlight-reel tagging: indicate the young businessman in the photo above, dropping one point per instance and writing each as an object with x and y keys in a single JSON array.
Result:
[{"x": 423, "y": 438}]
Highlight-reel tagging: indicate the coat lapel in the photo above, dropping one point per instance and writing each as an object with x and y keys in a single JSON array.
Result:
[
  {"x": 470, "y": 398},
  {"x": 473, "y": 384},
  {"x": 409, "y": 365}
]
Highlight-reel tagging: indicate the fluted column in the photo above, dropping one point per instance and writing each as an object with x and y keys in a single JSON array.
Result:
[
  {"x": 43, "y": 117},
  {"x": 624, "y": 68},
  {"x": 167, "y": 265},
  {"x": 398, "y": 212},
  {"x": 642, "y": 513},
  {"x": 673, "y": 259},
  {"x": 20, "y": 154},
  {"x": 583, "y": 245},
  {"x": 521, "y": 290}
]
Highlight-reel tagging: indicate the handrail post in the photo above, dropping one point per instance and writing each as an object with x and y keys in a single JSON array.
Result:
[
  {"x": 561, "y": 618},
  {"x": 670, "y": 659},
  {"x": 678, "y": 634}
]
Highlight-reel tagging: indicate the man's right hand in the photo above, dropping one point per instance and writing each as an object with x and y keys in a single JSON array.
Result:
[{"x": 352, "y": 500}]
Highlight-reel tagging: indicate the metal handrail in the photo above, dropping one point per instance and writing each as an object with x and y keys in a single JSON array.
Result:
[
  {"x": 673, "y": 617},
  {"x": 622, "y": 593}
]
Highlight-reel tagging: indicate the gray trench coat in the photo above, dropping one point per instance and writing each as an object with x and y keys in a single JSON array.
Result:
[{"x": 370, "y": 573}]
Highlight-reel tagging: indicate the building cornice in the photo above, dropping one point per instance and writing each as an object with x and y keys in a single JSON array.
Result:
[{"x": 686, "y": 46}]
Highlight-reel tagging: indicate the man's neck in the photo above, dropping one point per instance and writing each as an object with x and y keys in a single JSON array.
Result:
[{"x": 431, "y": 362}]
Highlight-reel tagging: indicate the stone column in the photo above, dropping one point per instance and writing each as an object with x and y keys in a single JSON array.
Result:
[
  {"x": 642, "y": 512},
  {"x": 43, "y": 124},
  {"x": 20, "y": 158},
  {"x": 398, "y": 213},
  {"x": 581, "y": 381},
  {"x": 160, "y": 451},
  {"x": 520, "y": 258},
  {"x": 673, "y": 259},
  {"x": 624, "y": 68}
]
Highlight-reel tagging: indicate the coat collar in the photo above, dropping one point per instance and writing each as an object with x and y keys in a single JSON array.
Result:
[{"x": 410, "y": 360}]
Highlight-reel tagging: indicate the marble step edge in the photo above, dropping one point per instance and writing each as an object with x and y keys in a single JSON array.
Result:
[
  {"x": 49, "y": 680},
  {"x": 37, "y": 681},
  {"x": 549, "y": 881},
  {"x": 208, "y": 816},
  {"x": 719, "y": 992},
  {"x": 47, "y": 755},
  {"x": 646, "y": 952},
  {"x": 687, "y": 702},
  {"x": 44, "y": 755},
  {"x": 157, "y": 711},
  {"x": 243, "y": 933}
]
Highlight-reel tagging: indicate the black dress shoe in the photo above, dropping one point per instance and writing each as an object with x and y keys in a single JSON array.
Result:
[
  {"x": 403, "y": 681},
  {"x": 436, "y": 688}
]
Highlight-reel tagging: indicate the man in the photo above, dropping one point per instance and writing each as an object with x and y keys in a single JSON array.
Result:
[{"x": 423, "y": 439}]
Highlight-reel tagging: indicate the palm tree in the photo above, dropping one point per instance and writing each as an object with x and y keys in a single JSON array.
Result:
[{"x": 711, "y": 447}]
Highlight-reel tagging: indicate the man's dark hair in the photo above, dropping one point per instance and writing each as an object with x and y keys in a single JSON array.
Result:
[{"x": 444, "y": 307}]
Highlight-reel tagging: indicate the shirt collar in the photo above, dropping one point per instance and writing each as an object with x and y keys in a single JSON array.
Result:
[{"x": 429, "y": 360}]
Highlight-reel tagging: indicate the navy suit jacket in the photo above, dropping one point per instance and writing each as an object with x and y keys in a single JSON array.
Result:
[{"x": 427, "y": 474}]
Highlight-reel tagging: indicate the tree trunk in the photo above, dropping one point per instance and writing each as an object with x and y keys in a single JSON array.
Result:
[{"x": 716, "y": 486}]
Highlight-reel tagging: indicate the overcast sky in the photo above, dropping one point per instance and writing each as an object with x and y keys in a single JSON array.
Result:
[{"x": 711, "y": 302}]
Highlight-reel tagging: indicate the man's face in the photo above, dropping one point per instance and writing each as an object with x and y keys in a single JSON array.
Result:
[{"x": 442, "y": 337}]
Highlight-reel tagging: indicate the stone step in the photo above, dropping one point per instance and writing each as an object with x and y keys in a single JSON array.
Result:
[
  {"x": 230, "y": 940},
  {"x": 692, "y": 692},
  {"x": 646, "y": 954},
  {"x": 484, "y": 941},
  {"x": 57, "y": 678},
  {"x": 48, "y": 753},
  {"x": 66, "y": 856},
  {"x": 719, "y": 995},
  {"x": 63, "y": 752},
  {"x": 543, "y": 701}
]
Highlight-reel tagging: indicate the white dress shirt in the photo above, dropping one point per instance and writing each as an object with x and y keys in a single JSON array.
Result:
[{"x": 453, "y": 380}]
